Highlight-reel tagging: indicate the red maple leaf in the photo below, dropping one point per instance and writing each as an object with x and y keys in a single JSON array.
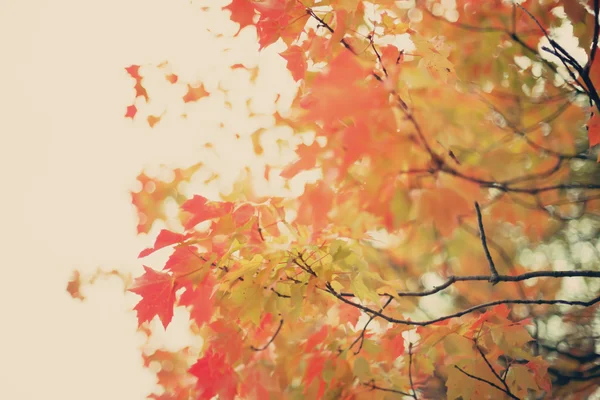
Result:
[
  {"x": 594, "y": 130},
  {"x": 215, "y": 376},
  {"x": 243, "y": 214},
  {"x": 316, "y": 338},
  {"x": 296, "y": 61},
  {"x": 165, "y": 238},
  {"x": 199, "y": 299},
  {"x": 314, "y": 369},
  {"x": 158, "y": 296},
  {"x": 242, "y": 12},
  {"x": 328, "y": 99},
  {"x": 131, "y": 111},
  {"x": 183, "y": 261},
  {"x": 134, "y": 71},
  {"x": 203, "y": 210}
]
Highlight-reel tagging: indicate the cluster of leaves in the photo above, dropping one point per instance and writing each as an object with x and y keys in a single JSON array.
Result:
[{"x": 444, "y": 129}]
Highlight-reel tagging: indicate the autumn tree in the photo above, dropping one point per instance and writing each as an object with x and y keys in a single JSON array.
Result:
[{"x": 448, "y": 247}]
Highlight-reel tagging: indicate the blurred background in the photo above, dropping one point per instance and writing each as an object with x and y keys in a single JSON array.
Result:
[{"x": 69, "y": 158}]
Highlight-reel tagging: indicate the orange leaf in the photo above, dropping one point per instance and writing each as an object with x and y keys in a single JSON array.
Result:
[
  {"x": 195, "y": 93},
  {"x": 153, "y": 120},
  {"x": 593, "y": 127},
  {"x": 172, "y": 78},
  {"x": 296, "y": 61},
  {"x": 308, "y": 160}
]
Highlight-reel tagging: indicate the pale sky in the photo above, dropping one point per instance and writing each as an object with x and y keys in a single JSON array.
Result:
[{"x": 67, "y": 160}]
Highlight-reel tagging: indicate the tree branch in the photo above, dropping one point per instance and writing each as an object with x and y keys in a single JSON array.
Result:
[
  {"x": 361, "y": 337},
  {"x": 488, "y": 256},
  {"x": 332, "y": 291},
  {"x": 500, "y": 278}
]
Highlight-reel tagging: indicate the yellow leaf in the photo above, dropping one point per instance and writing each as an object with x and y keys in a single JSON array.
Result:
[{"x": 362, "y": 291}]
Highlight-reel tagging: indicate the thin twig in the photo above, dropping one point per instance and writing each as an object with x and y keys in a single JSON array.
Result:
[
  {"x": 493, "y": 271},
  {"x": 271, "y": 340},
  {"x": 492, "y": 384},
  {"x": 389, "y": 390},
  {"x": 361, "y": 337},
  {"x": 507, "y": 389},
  {"x": 410, "y": 379}
]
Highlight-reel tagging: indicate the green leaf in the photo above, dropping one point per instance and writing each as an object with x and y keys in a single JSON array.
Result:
[{"x": 362, "y": 369}]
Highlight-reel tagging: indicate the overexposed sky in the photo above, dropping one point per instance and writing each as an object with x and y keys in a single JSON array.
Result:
[{"x": 67, "y": 160}]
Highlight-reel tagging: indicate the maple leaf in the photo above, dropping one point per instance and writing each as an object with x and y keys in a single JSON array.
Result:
[
  {"x": 593, "y": 127},
  {"x": 203, "y": 210},
  {"x": 317, "y": 203},
  {"x": 153, "y": 120},
  {"x": 172, "y": 78},
  {"x": 443, "y": 207},
  {"x": 194, "y": 93},
  {"x": 314, "y": 370},
  {"x": 158, "y": 296},
  {"x": 329, "y": 101},
  {"x": 349, "y": 314},
  {"x": 199, "y": 299},
  {"x": 316, "y": 338},
  {"x": 540, "y": 367},
  {"x": 171, "y": 363},
  {"x": 307, "y": 160},
  {"x": 215, "y": 377},
  {"x": 165, "y": 238},
  {"x": 184, "y": 261},
  {"x": 242, "y": 12},
  {"x": 243, "y": 214},
  {"x": 296, "y": 61},
  {"x": 148, "y": 201},
  {"x": 134, "y": 71},
  {"x": 131, "y": 111},
  {"x": 74, "y": 285}
]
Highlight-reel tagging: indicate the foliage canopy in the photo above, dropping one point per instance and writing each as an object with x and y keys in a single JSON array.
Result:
[{"x": 451, "y": 139}]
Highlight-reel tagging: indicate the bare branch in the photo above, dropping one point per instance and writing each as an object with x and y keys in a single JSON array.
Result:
[
  {"x": 493, "y": 272},
  {"x": 507, "y": 389},
  {"x": 596, "y": 34},
  {"x": 332, "y": 291},
  {"x": 500, "y": 278},
  {"x": 389, "y": 390}
]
